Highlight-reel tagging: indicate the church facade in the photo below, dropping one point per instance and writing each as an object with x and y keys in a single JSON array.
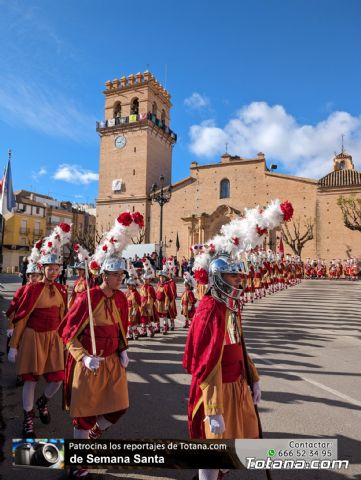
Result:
[{"x": 136, "y": 143}]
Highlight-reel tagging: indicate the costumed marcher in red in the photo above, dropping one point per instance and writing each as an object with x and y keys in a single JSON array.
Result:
[
  {"x": 225, "y": 383},
  {"x": 95, "y": 387},
  {"x": 148, "y": 312},
  {"x": 354, "y": 269},
  {"x": 35, "y": 344},
  {"x": 134, "y": 304},
  {"x": 201, "y": 281},
  {"x": 188, "y": 300},
  {"x": 164, "y": 295},
  {"x": 172, "y": 306},
  {"x": 80, "y": 284},
  {"x": 33, "y": 275}
]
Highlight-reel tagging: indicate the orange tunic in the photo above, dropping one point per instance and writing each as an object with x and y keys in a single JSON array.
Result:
[
  {"x": 79, "y": 287},
  {"x": 107, "y": 391},
  {"x": 40, "y": 351},
  {"x": 232, "y": 399}
]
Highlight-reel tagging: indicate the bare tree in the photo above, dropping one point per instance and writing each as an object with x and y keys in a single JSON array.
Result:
[
  {"x": 297, "y": 233},
  {"x": 140, "y": 237},
  {"x": 351, "y": 212}
]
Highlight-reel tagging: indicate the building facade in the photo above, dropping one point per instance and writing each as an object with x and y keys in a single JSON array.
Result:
[
  {"x": 35, "y": 217},
  {"x": 134, "y": 153}
]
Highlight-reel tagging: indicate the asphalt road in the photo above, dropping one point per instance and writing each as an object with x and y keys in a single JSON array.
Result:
[{"x": 306, "y": 344}]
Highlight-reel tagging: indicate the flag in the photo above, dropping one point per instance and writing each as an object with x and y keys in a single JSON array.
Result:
[
  {"x": 7, "y": 197},
  {"x": 177, "y": 244}
]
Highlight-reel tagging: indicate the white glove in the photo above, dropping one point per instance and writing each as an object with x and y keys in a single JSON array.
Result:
[
  {"x": 124, "y": 360},
  {"x": 256, "y": 393},
  {"x": 9, "y": 332},
  {"x": 216, "y": 423},
  {"x": 12, "y": 354},
  {"x": 92, "y": 363}
]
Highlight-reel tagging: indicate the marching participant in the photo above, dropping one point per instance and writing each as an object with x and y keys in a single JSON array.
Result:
[
  {"x": 164, "y": 295},
  {"x": 33, "y": 275},
  {"x": 80, "y": 284},
  {"x": 134, "y": 303},
  {"x": 188, "y": 299},
  {"x": 35, "y": 344},
  {"x": 354, "y": 269},
  {"x": 173, "y": 286},
  {"x": 94, "y": 332},
  {"x": 148, "y": 313},
  {"x": 225, "y": 383},
  {"x": 201, "y": 282}
]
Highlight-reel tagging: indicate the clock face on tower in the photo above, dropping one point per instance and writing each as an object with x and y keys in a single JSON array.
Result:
[{"x": 120, "y": 141}]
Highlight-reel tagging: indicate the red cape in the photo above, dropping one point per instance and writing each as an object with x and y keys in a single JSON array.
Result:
[
  {"x": 30, "y": 296},
  {"x": 76, "y": 320},
  {"x": 15, "y": 301},
  {"x": 202, "y": 353}
]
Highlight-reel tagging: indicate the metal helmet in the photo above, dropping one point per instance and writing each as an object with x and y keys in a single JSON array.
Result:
[
  {"x": 147, "y": 275},
  {"x": 131, "y": 281},
  {"x": 163, "y": 273},
  {"x": 32, "y": 268},
  {"x": 113, "y": 264},
  {"x": 51, "y": 259},
  {"x": 220, "y": 265}
]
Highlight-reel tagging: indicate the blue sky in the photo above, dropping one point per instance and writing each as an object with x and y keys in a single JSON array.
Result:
[{"x": 282, "y": 77}]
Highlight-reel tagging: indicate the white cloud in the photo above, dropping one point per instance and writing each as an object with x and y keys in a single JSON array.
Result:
[
  {"x": 304, "y": 150},
  {"x": 43, "y": 109},
  {"x": 40, "y": 173},
  {"x": 197, "y": 101},
  {"x": 75, "y": 174}
]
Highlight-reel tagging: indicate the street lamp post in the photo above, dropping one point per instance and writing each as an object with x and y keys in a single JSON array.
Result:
[{"x": 161, "y": 197}]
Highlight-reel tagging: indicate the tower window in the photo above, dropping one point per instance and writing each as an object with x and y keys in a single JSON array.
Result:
[
  {"x": 134, "y": 108},
  {"x": 133, "y": 171},
  {"x": 117, "y": 110},
  {"x": 224, "y": 188},
  {"x": 154, "y": 109},
  {"x": 162, "y": 117},
  {"x": 135, "y": 149},
  {"x": 342, "y": 165}
]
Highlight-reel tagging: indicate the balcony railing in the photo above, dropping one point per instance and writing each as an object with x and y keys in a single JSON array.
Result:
[{"x": 142, "y": 117}]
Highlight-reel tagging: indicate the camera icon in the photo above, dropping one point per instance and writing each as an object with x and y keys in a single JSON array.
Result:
[{"x": 39, "y": 454}]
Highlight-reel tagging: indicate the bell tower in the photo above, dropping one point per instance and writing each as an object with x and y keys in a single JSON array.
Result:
[{"x": 135, "y": 146}]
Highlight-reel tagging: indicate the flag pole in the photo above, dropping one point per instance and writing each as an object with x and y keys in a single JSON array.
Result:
[{"x": 91, "y": 318}]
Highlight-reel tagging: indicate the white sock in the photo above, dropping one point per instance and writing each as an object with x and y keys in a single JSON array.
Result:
[
  {"x": 51, "y": 389},
  {"x": 80, "y": 434},
  {"x": 208, "y": 474},
  {"x": 28, "y": 395},
  {"x": 103, "y": 423}
]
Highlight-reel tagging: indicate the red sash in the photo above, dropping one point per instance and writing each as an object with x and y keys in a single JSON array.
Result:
[
  {"x": 232, "y": 363},
  {"x": 44, "y": 319},
  {"x": 106, "y": 339}
]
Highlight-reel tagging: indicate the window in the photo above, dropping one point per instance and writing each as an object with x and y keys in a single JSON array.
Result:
[
  {"x": 134, "y": 108},
  {"x": 37, "y": 228},
  {"x": 154, "y": 109},
  {"x": 224, "y": 189},
  {"x": 117, "y": 110},
  {"x": 342, "y": 165},
  {"x": 37, "y": 210},
  {"x": 162, "y": 117},
  {"x": 24, "y": 226}
]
